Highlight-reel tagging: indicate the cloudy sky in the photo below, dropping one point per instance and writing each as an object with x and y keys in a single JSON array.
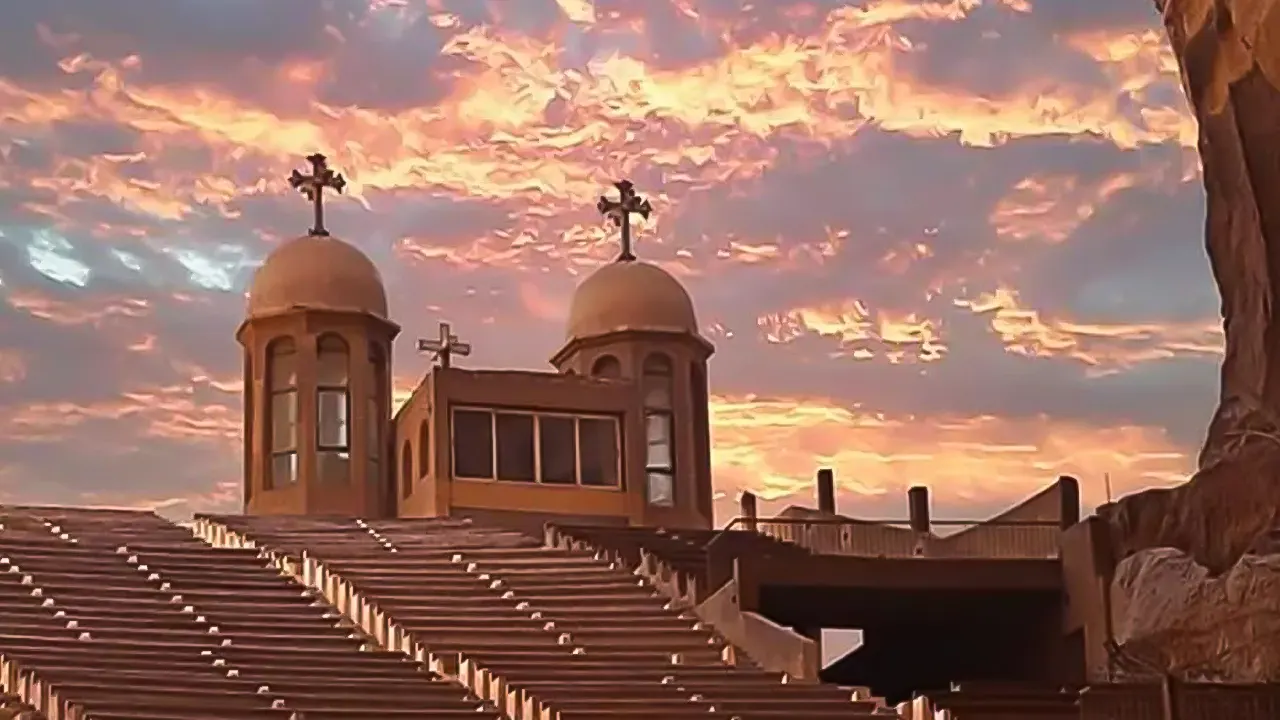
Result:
[{"x": 950, "y": 243}]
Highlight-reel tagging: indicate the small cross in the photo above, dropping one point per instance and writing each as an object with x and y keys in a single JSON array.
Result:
[
  {"x": 620, "y": 211},
  {"x": 313, "y": 186},
  {"x": 445, "y": 347}
]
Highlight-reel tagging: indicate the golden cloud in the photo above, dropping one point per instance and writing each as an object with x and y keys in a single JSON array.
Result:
[
  {"x": 1105, "y": 347},
  {"x": 860, "y": 335},
  {"x": 493, "y": 135},
  {"x": 773, "y": 447}
]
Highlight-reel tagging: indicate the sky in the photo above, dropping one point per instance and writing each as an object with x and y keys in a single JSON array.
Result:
[{"x": 956, "y": 243}]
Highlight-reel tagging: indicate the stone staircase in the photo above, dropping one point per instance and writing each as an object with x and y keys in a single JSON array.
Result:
[
  {"x": 541, "y": 632},
  {"x": 118, "y": 615},
  {"x": 686, "y": 565}
]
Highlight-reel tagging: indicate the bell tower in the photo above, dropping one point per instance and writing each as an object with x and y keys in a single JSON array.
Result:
[
  {"x": 632, "y": 320},
  {"x": 317, "y": 375}
]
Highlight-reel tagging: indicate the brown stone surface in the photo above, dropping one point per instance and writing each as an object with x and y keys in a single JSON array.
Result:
[
  {"x": 1168, "y": 613},
  {"x": 1229, "y": 54}
]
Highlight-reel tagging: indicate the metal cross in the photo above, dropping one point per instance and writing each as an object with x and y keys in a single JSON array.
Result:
[
  {"x": 445, "y": 347},
  {"x": 313, "y": 186},
  {"x": 620, "y": 211}
]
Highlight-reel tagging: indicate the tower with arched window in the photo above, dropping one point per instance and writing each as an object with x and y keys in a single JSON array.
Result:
[
  {"x": 633, "y": 320},
  {"x": 317, "y": 389}
]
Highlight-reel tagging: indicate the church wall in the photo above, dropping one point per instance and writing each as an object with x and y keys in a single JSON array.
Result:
[{"x": 523, "y": 392}]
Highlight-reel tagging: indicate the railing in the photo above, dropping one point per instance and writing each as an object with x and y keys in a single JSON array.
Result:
[{"x": 1003, "y": 539}]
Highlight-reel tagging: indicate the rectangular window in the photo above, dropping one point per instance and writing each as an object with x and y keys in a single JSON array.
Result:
[
  {"x": 332, "y": 429},
  {"x": 660, "y": 488},
  {"x": 516, "y": 459},
  {"x": 284, "y": 421},
  {"x": 598, "y": 451},
  {"x": 556, "y": 450},
  {"x": 284, "y": 469},
  {"x": 658, "y": 448},
  {"x": 473, "y": 444}
]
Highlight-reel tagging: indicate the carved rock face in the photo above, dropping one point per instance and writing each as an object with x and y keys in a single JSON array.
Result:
[
  {"x": 1229, "y": 54},
  {"x": 1168, "y": 611}
]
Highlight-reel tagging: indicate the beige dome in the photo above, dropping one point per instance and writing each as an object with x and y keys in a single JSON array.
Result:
[
  {"x": 317, "y": 272},
  {"x": 630, "y": 295}
]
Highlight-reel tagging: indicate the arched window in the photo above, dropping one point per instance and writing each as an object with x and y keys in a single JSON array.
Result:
[
  {"x": 250, "y": 398},
  {"x": 406, "y": 470},
  {"x": 333, "y": 410},
  {"x": 606, "y": 366},
  {"x": 383, "y": 490},
  {"x": 659, "y": 424},
  {"x": 282, "y": 413},
  {"x": 424, "y": 447},
  {"x": 701, "y": 434}
]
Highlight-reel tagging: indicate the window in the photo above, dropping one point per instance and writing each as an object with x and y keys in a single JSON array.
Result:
[
  {"x": 406, "y": 471},
  {"x": 659, "y": 424},
  {"x": 333, "y": 411},
  {"x": 598, "y": 447},
  {"x": 536, "y": 447},
  {"x": 516, "y": 459},
  {"x": 473, "y": 444},
  {"x": 282, "y": 414},
  {"x": 557, "y": 448},
  {"x": 701, "y": 434},
  {"x": 606, "y": 366},
  {"x": 424, "y": 447},
  {"x": 249, "y": 425},
  {"x": 383, "y": 489}
]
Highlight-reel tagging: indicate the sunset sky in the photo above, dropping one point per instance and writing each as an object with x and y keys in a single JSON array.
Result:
[{"x": 945, "y": 243}]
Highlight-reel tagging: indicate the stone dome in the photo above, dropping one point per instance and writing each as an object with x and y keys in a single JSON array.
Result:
[
  {"x": 317, "y": 272},
  {"x": 630, "y": 295}
]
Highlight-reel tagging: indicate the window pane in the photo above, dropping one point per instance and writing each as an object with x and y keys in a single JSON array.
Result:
[
  {"x": 333, "y": 467},
  {"x": 332, "y": 363},
  {"x": 284, "y": 469},
  {"x": 657, "y": 393},
  {"x": 472, "y": 444},
  {"x": 661, "y": 491},
  {"x": 332, "y": 426},
  {"x": 515, "y": 447},
  {"x": 284, "y": 421},
  {"x": 555, "y": 443},
  {"x": 598, "y": 444},
  {"x": 283, "y": 368},
  {"x": 658, "y": 431}
]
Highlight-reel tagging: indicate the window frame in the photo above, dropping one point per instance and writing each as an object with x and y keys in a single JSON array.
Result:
[{"x": 537, "y": 416}]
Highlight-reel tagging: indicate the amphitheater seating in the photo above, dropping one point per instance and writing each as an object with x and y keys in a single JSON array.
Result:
[
  {"x": 686, "y": 552},
  {"x": 115, "y": 615},
  {"x": 548, "y": 628}
]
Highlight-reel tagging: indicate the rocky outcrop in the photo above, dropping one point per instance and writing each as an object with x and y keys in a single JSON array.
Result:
[
  {"x": 1168, "y": 614},
  {"x": 1229, "y": 54}
]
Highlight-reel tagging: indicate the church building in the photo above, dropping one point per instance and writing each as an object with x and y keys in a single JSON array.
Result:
[{"x": 615, "y": 433}]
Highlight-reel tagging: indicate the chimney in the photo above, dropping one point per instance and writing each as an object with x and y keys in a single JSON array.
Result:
[
  {"x": 827, "y": 491},
  {"x": 747, "y": 505},
  {"x": 1069, "y": 490},
  {"x": 918, "y": 508}
]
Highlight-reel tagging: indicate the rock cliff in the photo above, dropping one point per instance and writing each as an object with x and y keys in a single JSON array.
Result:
[
  {"x": 1207, "y": 609},
  {"x": 1168, "y": 612},
  {"x": 1229, "y": 55}
]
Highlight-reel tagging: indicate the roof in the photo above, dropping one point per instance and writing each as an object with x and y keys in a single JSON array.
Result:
[
  {"x": 317, "y": 272},
  {"x": 630, "y": 295}
]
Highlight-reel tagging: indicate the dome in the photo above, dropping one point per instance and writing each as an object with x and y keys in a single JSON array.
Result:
[
  {"x": 317, "y": 272},
  {"x": 630, "y": 295}
]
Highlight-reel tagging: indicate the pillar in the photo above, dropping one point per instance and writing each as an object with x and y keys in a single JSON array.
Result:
[
  {"x": 918, "y": 508},
  {"x": 1069, "y": 491},
  {"x": 827, "y": 491},
  {"x": 748, "y": 510}
]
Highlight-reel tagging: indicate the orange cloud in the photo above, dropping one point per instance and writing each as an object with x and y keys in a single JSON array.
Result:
[
  {"x": 773, "y": 447},
  {"x": 1106, "y": 348},
  {"x": 860, "y": 335},
  {"x": 493, "y": 135}
]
